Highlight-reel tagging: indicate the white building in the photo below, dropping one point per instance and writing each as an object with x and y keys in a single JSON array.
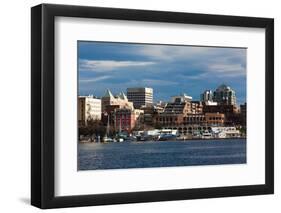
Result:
[
  {"x": 181, "y": 98},
  {"x": 89, "y": 107},
  {"x": 140, "y": 96}
]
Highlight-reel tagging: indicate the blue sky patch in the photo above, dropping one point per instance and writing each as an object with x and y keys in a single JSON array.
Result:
[{"x": 168, "y": 69}]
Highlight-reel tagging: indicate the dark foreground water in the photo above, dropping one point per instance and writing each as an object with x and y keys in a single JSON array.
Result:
[{"x": 160, "y": 154}]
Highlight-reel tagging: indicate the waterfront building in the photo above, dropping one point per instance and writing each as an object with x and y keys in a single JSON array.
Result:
[
  {"x": 208, "y": 119},
  {"x": 224, "y": 95},
  {"x": 190, "y": 123},
  {"x": 232, "y": 116},
  {"x": 149, "y": 115},
  {"x": 207, "y": 96},
  {"x": 173, "y": 119},
  {"x": 193, "y": 107},
  {"x": 196, "y": 107},
  {"x": 215, "y": 119},
  {"x": 126, "y": 119},
  {"x": 120, "y": 100},
  {"x": 225, "y": 109},
  {"x": 140, "y": 96},
  {"x": 177, "y": 108},
  {"x": 194, "y": 119},
  {"x": 110, "y": 103},
  {"x": 89, "y": 107},
  {"x": 172, "y": 115},
  {"x": 175, "y": 111}
]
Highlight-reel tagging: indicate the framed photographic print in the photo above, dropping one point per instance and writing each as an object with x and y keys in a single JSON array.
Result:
[{"x": 139, "y": 106}]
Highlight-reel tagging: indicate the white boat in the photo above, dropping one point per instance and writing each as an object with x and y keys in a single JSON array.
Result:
[
  {"x": 206, "y": 135},
  {"x": 226, "y": 132},
  {"x": 167, "y": 134},
  {"x": 120, "y": 140},
  {"x": 107, "y": 139}
]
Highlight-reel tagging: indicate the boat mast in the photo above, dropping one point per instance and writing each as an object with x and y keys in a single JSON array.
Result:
[
  {"x": 107, "y": 127},
  {"x": 120, "y": 125}
]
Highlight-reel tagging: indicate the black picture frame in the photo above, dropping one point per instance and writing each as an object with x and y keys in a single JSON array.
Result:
[{"x": 43, "y": 102}]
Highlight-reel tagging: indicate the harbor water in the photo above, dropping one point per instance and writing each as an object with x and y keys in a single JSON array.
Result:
[{"x": 96, "y": 156}]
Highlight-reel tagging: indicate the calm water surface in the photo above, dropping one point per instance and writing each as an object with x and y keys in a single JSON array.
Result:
[{"x": 160, "y": 154}]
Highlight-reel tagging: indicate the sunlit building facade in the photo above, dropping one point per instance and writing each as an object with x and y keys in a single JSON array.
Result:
[{"x": 89, "y": 108}]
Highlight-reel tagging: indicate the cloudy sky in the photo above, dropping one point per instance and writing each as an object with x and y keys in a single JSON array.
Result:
[{"x": 168, "y": 69}]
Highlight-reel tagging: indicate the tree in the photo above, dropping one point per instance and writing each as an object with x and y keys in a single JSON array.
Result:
[{"x": 92, "y": 129}]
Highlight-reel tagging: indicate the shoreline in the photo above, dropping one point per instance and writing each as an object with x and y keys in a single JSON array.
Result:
[{"x": 181, "y": 140}]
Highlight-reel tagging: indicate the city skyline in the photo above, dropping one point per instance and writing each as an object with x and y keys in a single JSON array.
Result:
[{"x": 170, "y": 70}]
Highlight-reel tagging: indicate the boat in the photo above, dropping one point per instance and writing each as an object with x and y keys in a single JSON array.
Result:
[
  {"x": 167, "y": 137},
  {"x": 226, "y": 132},
  {"x": 107, "y": 139},
  {"x": 132, "y": 138},
  {"x": 206, "y": 135},
  {"x": 120, "y": 140},
  {"x": 196, "y": 135}
]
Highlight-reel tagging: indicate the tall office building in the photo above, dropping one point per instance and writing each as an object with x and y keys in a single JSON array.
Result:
[
  {"x": 140, "y": 96},
  {"x": 207, "y": 96},
  {"x": 224, "y": 95}
]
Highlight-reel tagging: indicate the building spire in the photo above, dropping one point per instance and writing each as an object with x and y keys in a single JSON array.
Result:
[
  {"x": 123, "y": 96},
  {"x": 108, "y": 94}
]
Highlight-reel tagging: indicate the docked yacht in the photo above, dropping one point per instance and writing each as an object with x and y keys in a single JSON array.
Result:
[
  {"x": 206, "y": 135},
  {"x": 225, "y": 132}
]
